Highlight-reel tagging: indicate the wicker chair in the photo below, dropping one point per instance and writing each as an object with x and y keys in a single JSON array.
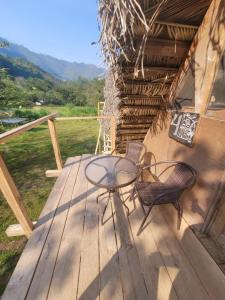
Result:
[
  {"x": 135, "y": 151},
  {"x": 149, "y": 194}
]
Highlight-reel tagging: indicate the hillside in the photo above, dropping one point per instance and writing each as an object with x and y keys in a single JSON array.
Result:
[
  {"x": 17, "y": 67},
  {"x": 23, "y": 84},
  {"x": 58, "y": 68}
]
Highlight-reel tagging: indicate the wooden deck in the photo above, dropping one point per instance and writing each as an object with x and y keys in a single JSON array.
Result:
[{"x": 70, "y": 255}]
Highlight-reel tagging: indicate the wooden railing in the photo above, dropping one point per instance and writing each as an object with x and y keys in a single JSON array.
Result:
[{"x": 7, "y": 184}]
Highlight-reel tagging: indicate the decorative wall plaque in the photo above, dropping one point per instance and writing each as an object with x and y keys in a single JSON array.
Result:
[{"x": 183, "y": 127}]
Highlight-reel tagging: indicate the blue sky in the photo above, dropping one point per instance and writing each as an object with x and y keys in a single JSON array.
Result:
[{"x": 61, "y": 28}]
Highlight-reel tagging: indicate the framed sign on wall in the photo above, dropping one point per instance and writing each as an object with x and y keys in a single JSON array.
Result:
[{"x": 183, "y": 127}]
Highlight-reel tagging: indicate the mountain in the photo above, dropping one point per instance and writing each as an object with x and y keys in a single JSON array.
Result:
[
  {"x": 58, "y": 68},
  {"x": 24, "y": 84},
  {"x": 18, "y": 67}
]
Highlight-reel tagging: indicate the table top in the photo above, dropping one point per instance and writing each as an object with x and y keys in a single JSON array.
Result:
[{"x": 111, "y": 172}]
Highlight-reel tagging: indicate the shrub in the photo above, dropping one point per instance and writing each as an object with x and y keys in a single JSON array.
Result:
[
  {"x": 29, "y": 114},
  {"x": 2, "y": 128}
]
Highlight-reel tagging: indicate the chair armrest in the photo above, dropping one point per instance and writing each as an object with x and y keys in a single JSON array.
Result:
[
  {"x": 172, "y": 164},
  {"x": 162, "y": 162}
]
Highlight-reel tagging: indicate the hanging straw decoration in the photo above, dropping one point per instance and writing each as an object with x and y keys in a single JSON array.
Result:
[
  {"x": 139, "y": 65},
  {"x": 118, "y": 23}
]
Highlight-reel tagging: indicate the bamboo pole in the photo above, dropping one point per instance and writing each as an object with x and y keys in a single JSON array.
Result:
[
  {"x": 55, "y": 144},
  {"x": 113, "y": 133},
  {"x": 83, "y": 118},
  {"x": 98, "y": 141},
  {"x": 13, "y": 198}
]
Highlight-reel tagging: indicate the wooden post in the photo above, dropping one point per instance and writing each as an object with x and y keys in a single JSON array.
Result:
[
  {"x": 204, "y": 57},
  {"x": 113, "y": 133},
  {"x": 209, "y": 50},
  {"x": 98, "y": 109},
  {"x": 55, "y": 144},
  {"x": 13, "y": 198}
]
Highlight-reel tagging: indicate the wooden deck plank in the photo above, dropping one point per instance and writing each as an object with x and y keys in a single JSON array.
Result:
[
  {"x": 110, "y": 281},
  {"x": 132, "y": 279},
  {"x": 65, "y": 277},
  {"x": 205, "y": 267},
  {"x": 72, "y": 256},
  {"x": 135, "y": 266},
  {"x": 122, "y": 245},
  {"x": 157, "y": 279},
  {"x": 20, "y": 281},
  {"x": 185, "y": 281},
  {"x": 89, "y": 280},
  {"x": 43, "y": 274}
]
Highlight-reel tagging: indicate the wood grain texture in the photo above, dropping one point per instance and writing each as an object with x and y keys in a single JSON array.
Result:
[
  {"x": 70, "y": 255},
  {"x": 55, "y": 144},
  {"x": 12, "y": 196},
  {"x": 6, "y": 136},
  {"x": 20, "y": 281}
]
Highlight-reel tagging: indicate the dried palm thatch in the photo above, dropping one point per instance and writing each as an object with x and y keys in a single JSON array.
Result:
[
  {"x": 144, "y": 43},
  {"x": 148, "y": 89},
  {"x": 118, "y": 19},
  {"x": 111, "y": 101},
  {"x": 151, "y": 74},
  {"x": 140, "y": 100},
  {"x": 134, "y": 120}
]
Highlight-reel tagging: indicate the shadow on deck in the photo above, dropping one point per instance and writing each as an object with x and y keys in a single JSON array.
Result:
[{"x": 70, "y": 255}]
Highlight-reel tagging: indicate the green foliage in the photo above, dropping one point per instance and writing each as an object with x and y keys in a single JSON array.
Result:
[
  {"x": 30, "y": 114},
  {"x": 24, "y": 84},
  {"x": 2, "y": 128}
]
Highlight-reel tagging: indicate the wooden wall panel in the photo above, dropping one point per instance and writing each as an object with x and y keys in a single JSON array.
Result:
[{"x": 207, "y": 156}]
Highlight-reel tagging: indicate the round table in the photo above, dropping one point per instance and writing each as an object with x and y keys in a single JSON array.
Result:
[{"x": 111, "y": 172}]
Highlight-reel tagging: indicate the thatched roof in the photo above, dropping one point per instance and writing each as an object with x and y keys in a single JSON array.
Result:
[{"x": 144, "y": 43}]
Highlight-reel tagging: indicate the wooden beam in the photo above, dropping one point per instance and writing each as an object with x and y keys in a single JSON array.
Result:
[
  {"x": 210, "y": 48},
  {"x": 12, "y": 196},
  {"x": 129, "y": 69},
  {"x": 52, "y": 173},
  {"x": 176, "y": 24},
  {"x": 19, "y": 130},
  {"x": 55, "y": 144},
  {"x": 204, "y": 56},
  {"x": 167, "y": 48},
  {"x": 16, "y": 230}
]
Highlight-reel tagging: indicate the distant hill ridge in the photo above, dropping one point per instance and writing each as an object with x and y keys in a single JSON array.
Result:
[
  {"x": 17, "y": 67},
  {"x": 58, "y": 68}
]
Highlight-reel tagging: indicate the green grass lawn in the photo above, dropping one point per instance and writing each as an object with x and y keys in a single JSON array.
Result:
[
  {"x": 69, "y": 110},
  {"x": 28, "y": 157}
]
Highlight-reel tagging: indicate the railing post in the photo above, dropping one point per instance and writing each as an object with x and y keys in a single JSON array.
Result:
[
  {"x": 12, "y": 196},
  {"x": 55, "y": 144},
  {"x": 113, "y": 133}
]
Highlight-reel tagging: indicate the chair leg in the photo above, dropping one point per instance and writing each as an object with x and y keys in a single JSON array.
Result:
[
  {"x": 144, "y": 220},
  {"x": 179, "y": 213},
  {"x": 132, "y": 194},
  {"x": 102, "y": 221},
  {"x": 132, "y": 197},
  {"x": 142, "y": 206},
  {"x": 127, "y": 208},
  {"x": 97, "y": 199}
]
